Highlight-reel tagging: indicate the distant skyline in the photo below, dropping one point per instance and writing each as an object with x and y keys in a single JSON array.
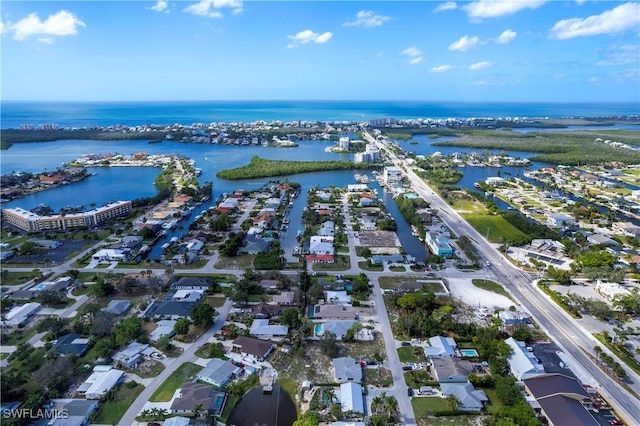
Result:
[{"x": 478, "y": 51}]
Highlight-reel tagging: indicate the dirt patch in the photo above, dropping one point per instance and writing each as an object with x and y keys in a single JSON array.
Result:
[{"x": 379, "y": 239}]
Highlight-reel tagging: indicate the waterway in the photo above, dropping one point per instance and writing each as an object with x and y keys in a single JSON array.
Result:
[{"x": 258, "y": 408}]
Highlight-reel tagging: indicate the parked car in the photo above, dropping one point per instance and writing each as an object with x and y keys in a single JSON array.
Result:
[
  {"x": 405, "y": 343},
  {"x": 616, "y": 422},
  {"x": 409, "y": 392},
  {"x": 407, "y": 367}
]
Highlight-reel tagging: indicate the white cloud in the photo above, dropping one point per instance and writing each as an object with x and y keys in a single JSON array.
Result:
[
  {"x": 465, "y": 43},
  {"x": 442, "y": 68},
  {"x": 450, "y": 5},
  {"x": 367, "y": 19},
  {"x": 3, "y": 28},
  {"x": 621, "y": 18},
  {"x": 61, "y": 23},
  {"x": 160, "y": 6},
  {"x": 211, "y": 8},
  {"x": 46, "y": 40},
  {"x": 632, "y": 75},
  {"x": 481, "y": 65},
  {"x": 621, "y": 55},
  {"x": 415, "y": 60},
  {"x": 308, "y": 36},
  {"x": 411, "y": 51},
  {"x": 506, "y": 37},
  {"x": 593, "y": 79},
  {"x": 492, "y": 8}
]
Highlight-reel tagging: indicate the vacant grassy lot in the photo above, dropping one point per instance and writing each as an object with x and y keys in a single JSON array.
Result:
[
  {"x": 491, "y": 286},
  {"x": 411, "y": 354},
  {"x": 244, "y": 261},
  {"x": 364, "y": 265},
  {"x": 17, "y": 278},
  {"x": 183, "y": 374},
  {"x": 215, "y": 301},
  {"x": 424, "y": 406},
  {"x": 496, "y": 228},
  {"x": 114, "y": 409},
  {"x": 342, "y": 264}
]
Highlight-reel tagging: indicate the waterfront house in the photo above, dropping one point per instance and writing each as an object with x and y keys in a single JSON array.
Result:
[
  {"x": 494, "y": 181},
  {"x": 218, "y": 372},
  {"x": 438, "y": 244},
  {"x": 346, "y": 369},
  {"x": 253, "y": 349},
  {"x": 560, "y": 220},
  {"x": 194, "y": 395}
]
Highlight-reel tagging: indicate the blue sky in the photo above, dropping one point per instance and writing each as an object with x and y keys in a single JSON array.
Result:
[{"x": 519, "y": 50}]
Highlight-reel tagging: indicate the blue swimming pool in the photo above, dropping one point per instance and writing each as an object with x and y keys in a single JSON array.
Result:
[
  {"x": 318, "y": 329},
  {"x": 469, "y": 353}
]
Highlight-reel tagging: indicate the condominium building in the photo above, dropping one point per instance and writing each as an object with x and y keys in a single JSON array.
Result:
[{"x": 32, "y": 222}]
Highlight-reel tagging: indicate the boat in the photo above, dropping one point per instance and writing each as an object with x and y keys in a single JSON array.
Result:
[
  {"x": 299, "y": 235},
  {"x": 155, "y": 141},
  {"x": 476, "y": 184}
]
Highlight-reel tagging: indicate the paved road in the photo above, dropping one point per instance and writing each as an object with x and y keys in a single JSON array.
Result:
[
  {"x": 187, "y": 356},
  {"x": 569, "y": 335},
  {"x": 399, "y": 390}
]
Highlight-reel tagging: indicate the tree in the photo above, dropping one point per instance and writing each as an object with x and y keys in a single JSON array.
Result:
[
  {"x": 164, "y": 343},
  {"x": 128, "y": 330},
  {"x": 182, "y": 326},
  {"x": 202, "y": 315},
  {"x": 51, "y": 298},
  {"x": 290, "y": 317},
  {"x": 453, "y": 402},
  {"x": 329, "y": 345}
]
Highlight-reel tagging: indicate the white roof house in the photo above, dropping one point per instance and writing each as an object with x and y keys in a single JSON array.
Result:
[
  {"x": 101, "y": 381},
  {"x": 320, "y": 247},
  {"x": 19, "y": 315},
  {"x": 351, "y": 397},
  {"x": 115, "y": 255},
  {"x": 131, "y": 356},
  {"x": 263, "y": 330},
  {"x": 611, "y": 290},
  {"x": 218, "y": 372},
  {"x": 440, "y": 347},
  {"x": 165, "y": 328},
  {"x": 523, "y": 364}
]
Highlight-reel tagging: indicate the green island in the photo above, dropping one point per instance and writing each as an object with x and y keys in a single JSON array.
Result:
[
  {"x": 261, "y": 167},
  {"x": 578, "y": 147}
]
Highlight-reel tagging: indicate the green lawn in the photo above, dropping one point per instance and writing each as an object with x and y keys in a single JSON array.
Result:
[
  {"x": 244, "y": 261},
  {"x": 424, "y": 406},
  {"x": 342, "y": 264},
  {"x": 491, "y": 286},
  {"x": 364, "y": 265},
  {"x": 113, "y": 410},
  {"x": 411, "y": 354},
  {"x": 183, "y": 374},
  {"x": 17, "y": 278},
  {"x": 494, "y": 402},
  {"x": 495, "y": 227},
  {"x": 215, "y": 301},
  {"x": 398, "y": 269}
]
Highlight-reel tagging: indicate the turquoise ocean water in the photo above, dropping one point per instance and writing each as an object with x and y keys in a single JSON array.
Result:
[{"x": 81, "y": 114}]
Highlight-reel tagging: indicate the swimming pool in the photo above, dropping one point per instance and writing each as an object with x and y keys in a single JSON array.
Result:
[
  {"x": 318, "y": 329},
  {"x": 468, "y": 353}
]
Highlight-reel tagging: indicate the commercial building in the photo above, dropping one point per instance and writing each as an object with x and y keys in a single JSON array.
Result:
[
  {"x": 32, "y": 222},
  {"x": 438, "y": 244},
  {"x": 523, "y": 363},
  {"x": 392, "y": 174}
]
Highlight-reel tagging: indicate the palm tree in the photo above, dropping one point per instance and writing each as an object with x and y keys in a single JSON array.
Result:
[
  {"x": 453, "y": 402},
  {"x": 328, "y": 395},
  {"x": 198, "y": 410}
]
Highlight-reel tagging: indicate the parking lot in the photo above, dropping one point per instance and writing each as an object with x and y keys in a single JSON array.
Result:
[{"x": 54, "y": 256}]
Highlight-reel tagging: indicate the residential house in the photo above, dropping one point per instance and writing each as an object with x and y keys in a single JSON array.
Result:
[
  {"x": 338, "y": 327},
  {"x": 560, "y": 220},
  {"x": 626, "y": 228},
  {"x": 169, "y": 309},
  {"x": 191, "y": 283},
  {"x": 19, "y": 315},
  {"x": 451, "y": 370},
  {"x": 102, "y": 380},
  {"x": 263, "y": 330},
  {"x": 321, "y": 245},
  {"x": 132, "y": 355},
  {"x": 610, "y": 290},
  {"x": 337, "y": 297},
  {"x": 440, "y": 347},
  {"x": 186, "y": 295},
  {"x": 346, "y": 369},
  {"x": 253, "y": 349},
  {"x": 600, "y": 239},
  {"x": 70, "y": 344},
  {"x": 177, "y": 421},
  {"x": 110, "y": 255},
  {"x": 77, "y": 411},
  {"x": 470, "y": 399},
  {"x": 192, "y": 395},
  {"x": 494, "y": 181},
  {"x": 351, "y": 398},
  {"x": 337, "y": 312},
  {"x": 117, "y": 307},
  {"x": 285, "y": 298},
  {"x": 59, "y": 286},
  {"x": 265, "y": 310},
  {"x": 523, "y": 364},
  {"x": 164, "y": 328},
  {"x": 254, "y": 245},
  {"x": 219, "y": 372},
  {"x": 562, "y": 399},
  {"x": 327, "y": 229}
]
